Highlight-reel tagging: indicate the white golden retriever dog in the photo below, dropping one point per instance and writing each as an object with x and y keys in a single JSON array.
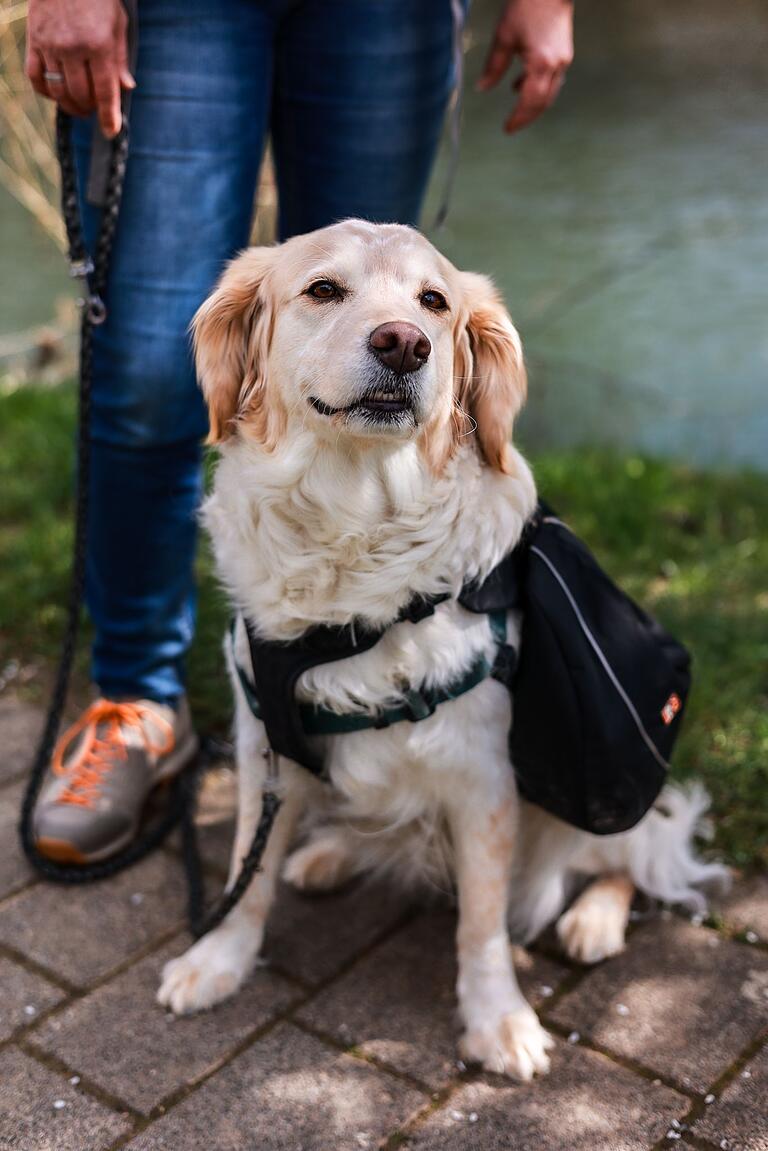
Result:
[{"x": 362, "y": 392}]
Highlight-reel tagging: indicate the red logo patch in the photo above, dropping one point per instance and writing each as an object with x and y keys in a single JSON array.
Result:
[{"x": 671, "y": 708}]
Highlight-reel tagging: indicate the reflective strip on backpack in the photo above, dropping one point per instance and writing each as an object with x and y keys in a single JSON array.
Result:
[{"x": 603, "y": 660}]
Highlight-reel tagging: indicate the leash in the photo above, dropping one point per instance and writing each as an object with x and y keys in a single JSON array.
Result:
[{"x": 182, "y": 801}]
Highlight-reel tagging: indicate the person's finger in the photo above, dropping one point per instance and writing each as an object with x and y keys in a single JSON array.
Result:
[
  {"x": 35, "y": 68},
  {"x": 534, "y": 89},
  {"x": 78, "y": 84},
  {"x": 121, "y": 61},
  {"x": 497, "y": 63},
  {"x": 57, "y": 88},
  {"x": 106, "y": 91}
]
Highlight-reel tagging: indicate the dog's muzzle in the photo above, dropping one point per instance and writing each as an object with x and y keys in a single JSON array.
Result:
[{"x": 399, "y": 350}]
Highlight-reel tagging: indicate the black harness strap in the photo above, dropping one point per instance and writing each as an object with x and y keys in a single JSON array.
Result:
[
  {"x": 276, "y": 668},
  {"x": 269, "y": 684}
]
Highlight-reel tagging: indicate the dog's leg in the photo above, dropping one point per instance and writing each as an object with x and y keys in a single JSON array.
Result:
[
  {"x": 502, "y": 1030},
  {"x": 215, "y": 967},
  {"x": 594, "y": 927}
]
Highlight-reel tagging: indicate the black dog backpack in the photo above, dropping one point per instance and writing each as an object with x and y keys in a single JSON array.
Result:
[
  {"x": 598, "y": 686},
  {"x": 599, "y": 689}
]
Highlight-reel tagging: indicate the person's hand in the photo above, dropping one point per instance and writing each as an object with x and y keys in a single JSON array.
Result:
[
  {"x": 77, "y": 55},
  {"x": 540, "y": 34}
]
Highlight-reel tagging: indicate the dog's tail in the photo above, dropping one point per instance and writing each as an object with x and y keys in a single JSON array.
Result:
[{"x": 659, "y": 855}]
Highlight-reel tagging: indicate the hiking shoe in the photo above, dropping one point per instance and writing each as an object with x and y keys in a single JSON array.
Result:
[{"x": 102, "y": 770}]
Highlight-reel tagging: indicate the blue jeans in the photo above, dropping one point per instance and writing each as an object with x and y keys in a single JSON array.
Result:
[{"x": 353, "y": 93}]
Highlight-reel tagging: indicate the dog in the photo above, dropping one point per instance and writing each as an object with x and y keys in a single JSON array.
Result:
[{"x": 362, "y": 393}]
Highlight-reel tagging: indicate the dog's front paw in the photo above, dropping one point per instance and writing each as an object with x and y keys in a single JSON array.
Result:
[
  {"x": 212, "y": 970},
  {"x": 515, "y": 1045}
]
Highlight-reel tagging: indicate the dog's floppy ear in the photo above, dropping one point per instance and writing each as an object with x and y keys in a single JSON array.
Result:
[
  {"x": 489, "y": 368},
  {"x": 231, "y": 334}
]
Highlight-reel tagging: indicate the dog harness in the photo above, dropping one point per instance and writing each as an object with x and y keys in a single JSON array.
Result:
[{"x": 269, "y": 684}]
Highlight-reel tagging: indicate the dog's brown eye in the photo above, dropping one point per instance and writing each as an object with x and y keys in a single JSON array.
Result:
[
  {"x": 435, "y": 301},
  {"x": 324, "y": 290}
]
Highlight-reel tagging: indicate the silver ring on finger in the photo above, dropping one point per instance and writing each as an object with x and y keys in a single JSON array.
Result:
[{"x": 54, "y": 77}]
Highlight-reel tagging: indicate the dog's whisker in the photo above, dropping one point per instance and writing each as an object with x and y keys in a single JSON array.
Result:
[{"x": 460, "y": 410}]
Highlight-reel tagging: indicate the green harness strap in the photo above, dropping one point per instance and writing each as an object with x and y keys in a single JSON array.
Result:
[{"x": 418, "y": 703}]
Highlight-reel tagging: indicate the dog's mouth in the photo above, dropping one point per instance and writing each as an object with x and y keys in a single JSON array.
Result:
[{"x": 382, "y": 404}]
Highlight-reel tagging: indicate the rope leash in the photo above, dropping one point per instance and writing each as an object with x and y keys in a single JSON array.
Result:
[{"x": 181, "y": 805}]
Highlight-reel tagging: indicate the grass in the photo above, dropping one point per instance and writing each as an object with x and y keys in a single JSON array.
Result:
[{"x": 690, "y": 546}]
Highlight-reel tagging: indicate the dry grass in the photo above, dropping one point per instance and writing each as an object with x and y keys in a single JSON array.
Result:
[{"x": 28, "y": 167}]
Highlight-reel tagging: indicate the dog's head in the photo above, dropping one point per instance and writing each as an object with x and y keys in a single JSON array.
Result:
[{"x": 362, "y": 331}]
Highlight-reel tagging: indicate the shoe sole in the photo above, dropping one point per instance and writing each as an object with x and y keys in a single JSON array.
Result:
[{"x": 64, "y": 851}]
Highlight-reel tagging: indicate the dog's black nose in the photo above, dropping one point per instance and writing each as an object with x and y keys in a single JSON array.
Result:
[{"x": 400, "y": 346}]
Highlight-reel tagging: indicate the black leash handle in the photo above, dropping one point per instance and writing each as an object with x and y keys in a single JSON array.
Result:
[{"x": 182, "y": 800}]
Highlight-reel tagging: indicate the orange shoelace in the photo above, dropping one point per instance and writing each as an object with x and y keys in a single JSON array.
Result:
[{"x": 100, "y": 752}]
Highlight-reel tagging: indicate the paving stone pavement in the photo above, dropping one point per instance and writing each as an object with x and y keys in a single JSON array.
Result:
[
  {"x": 346, "y": 1038},
  {"x": 661, "y": 1003},
  {"x": 15, "y": 872},
  {"x": 20, "y": 725}
]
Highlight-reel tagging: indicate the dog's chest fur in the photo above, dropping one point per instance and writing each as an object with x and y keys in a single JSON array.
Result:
[{"x": 300, "y": 539}]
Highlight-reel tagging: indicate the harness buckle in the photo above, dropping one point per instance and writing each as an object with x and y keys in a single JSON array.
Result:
[{"x": 417, "y": 705}]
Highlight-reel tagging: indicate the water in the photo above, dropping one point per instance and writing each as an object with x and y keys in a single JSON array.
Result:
[
  {"x": 628, "y": 230},
  {"x": 33, "y": 275}
]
